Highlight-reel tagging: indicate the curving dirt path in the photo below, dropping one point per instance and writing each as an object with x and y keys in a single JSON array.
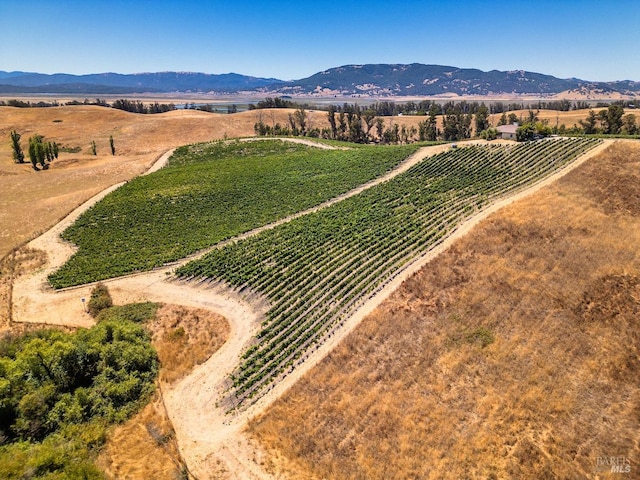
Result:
[{"x": 207, "y": 437}]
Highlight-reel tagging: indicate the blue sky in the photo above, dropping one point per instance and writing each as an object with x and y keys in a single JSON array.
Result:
[{"x": 592, "y": 40}]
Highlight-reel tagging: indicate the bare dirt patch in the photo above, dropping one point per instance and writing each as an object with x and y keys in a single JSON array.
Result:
[
  {"x": 18, "y": 262},
  {"x": 514, "y": 354}
]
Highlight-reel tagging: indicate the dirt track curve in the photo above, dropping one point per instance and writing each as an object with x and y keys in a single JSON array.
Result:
[{"x": 206, "y": 436}]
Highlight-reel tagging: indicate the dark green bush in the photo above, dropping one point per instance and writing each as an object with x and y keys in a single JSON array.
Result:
[{"x": 100, "y": 300}]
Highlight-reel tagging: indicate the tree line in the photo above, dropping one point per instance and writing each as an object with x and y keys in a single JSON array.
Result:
[
  {"x": 611, "y": 121},
  {"x": 459, "y": 121},
  {"x": 352, "y": 123},
  {"x": 133, "y": 106},
  {"x": 425, "y": 107}
]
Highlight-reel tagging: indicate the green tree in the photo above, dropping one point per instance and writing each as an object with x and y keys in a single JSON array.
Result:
[
  {"x": 589, "y": 125},
  {"x": 611, "y": 119},
  {"x": 525, "y": 132},
  {"x": 489, "y": 134},
  {"x": 427, "y": 130},
  {"x": 482, "y": 119},
  {"x": 379, "y": 128},
  {"x": 369, "y": 117},
  {"x": 456, "y": 124},
  {"x": 37, "y": 152},
  {"x": 342, "y": 126},
  {"x": 41, "y": 154},
  {"x": 93, "y": 147},
  {"x": 49, "y": 152},
  {"x": 32, "y": 153},
  {"x": 629, "y": 125},
  {"x": 112, "y": 145},
  {"x": 331, "y": 116},
  {"x": 300, "y": 116},
  {"x": 100, "y": 299},
  {"x": 18, "y": 154}
]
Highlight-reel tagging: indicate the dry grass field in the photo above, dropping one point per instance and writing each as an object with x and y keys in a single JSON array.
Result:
[{"x": 515, "y": 354}]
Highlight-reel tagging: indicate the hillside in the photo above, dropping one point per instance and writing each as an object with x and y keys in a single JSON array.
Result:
[
  {"x": 515, "y": 354},
  {"x": 369, "y": 80},
  {"x": 77, "y": 174}
]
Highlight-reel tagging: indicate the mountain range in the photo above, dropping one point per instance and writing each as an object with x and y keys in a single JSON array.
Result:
[{"x": 370, "y": 80}]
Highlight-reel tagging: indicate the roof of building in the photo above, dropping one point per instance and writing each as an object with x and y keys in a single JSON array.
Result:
[{"x": 507, "y": 128}]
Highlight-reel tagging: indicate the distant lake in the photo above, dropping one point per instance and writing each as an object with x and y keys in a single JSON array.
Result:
[{"x": 215, "y": 107}]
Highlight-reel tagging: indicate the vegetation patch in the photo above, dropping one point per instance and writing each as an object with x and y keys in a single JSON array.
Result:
[
  {"x": 60, "y": 391},
  {"x": 99, "y": 300},
  {"x": 208, "y": 193}
]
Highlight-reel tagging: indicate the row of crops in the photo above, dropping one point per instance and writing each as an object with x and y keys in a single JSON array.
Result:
[
  {"x": 209, "y": 193},
  {"x": 316, "y": 270}
]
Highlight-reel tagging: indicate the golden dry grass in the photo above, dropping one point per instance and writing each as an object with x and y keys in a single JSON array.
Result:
[
  {"x": 185, "y": 337},
  {"x": 515, "y": 354},
  {"x": 145, "y": 447}
]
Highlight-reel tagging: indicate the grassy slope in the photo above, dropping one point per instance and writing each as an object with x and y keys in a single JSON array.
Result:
[
  {"x": 513, "y": 355},
  {"x": 208, "y": 194}
]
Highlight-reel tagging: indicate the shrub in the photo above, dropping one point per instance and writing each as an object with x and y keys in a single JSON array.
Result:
[
  {"x": 100, "y": 300},
  {"x": 481, "y": 336}
]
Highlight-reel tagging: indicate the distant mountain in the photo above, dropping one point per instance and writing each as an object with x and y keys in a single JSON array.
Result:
[
  {"x": 70, "y": 88},
  {"x": 360, "y": 80},
  {"x": 135, "y": 83},
  {"x": 418, "y": 79}
]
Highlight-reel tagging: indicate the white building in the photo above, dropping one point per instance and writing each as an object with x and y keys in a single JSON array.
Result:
[{"x": 507, "y": 132}]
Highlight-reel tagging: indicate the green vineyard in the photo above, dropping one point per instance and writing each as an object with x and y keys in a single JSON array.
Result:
[
  {"x": 318, "y": 269},
  {"x": 209, "y": 193}
]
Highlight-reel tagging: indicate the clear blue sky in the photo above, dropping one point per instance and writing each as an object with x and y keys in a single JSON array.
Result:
[{"x": 588, "y": 39}]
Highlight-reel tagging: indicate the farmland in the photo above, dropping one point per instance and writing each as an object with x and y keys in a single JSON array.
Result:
[
  {"x": 318, "y": 269},
  {"x": 208, "y": 193}
]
